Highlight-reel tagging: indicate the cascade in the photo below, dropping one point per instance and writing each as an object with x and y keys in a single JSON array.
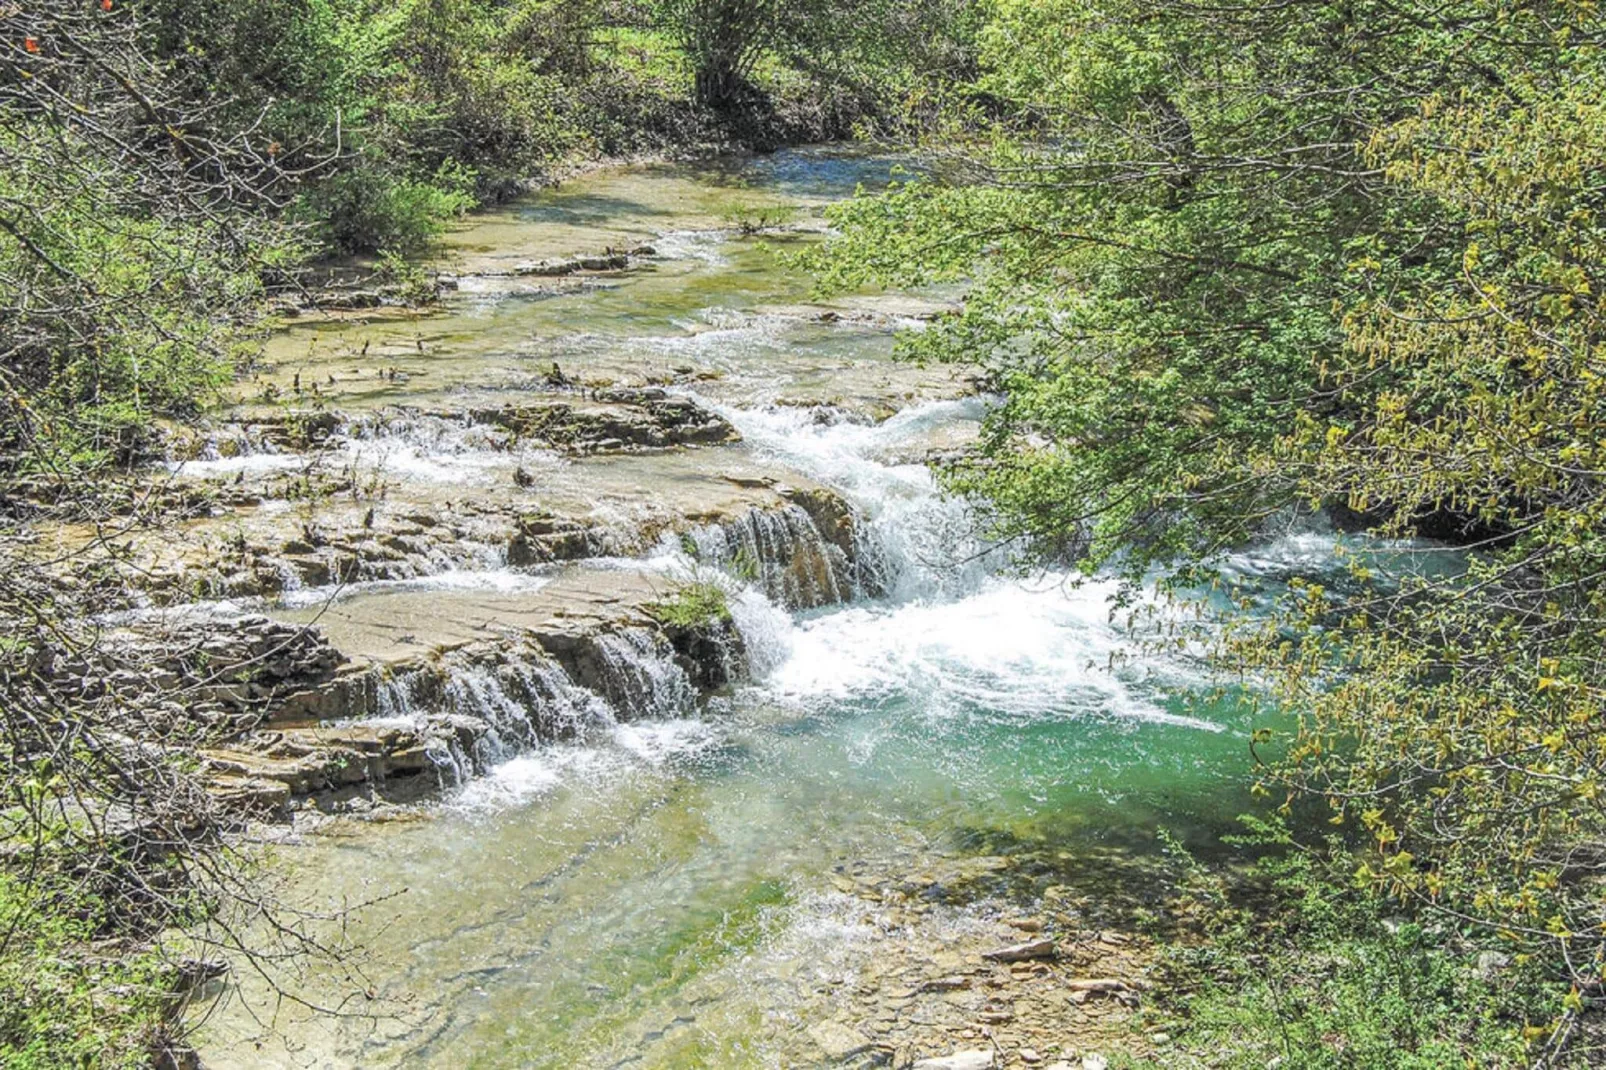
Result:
[
  {"x": 914, "y": 542},
  {"x": 640, "y": 677},
  {"x": 783, "y": 553},
  {"x": 475, "y": 714}
]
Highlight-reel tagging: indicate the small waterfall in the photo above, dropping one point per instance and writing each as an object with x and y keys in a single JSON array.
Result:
[
  {"x": 289, "y": 578},
  {"x": 766, "y": 631},
  {"x": 396, "y": 697},
  {"x": 475, "y": 714},
  {"x": 914, "y": 542},
  {"x": 783, "y": 553},
  {"x": 640, "y": 677},
  {"x": 480, "y": 693},
  {"x": 393, "y": 444},
  {"x": 453, "y": 767},
  {"x": 430, "y": 434}
]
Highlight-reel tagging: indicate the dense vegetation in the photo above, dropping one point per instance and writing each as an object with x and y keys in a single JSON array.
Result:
[{"x": 1236, "y": 262}]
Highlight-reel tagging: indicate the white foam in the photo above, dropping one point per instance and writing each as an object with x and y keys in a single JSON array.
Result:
[
  {"x": 927, "y": 543},
  {"x": 421, "y": 449},
  {"x": 496, "y": 581},
  {"x": 705, "y": 246},
  {"x": 1010, "y": 651},
  {"x": 597, "y": 762}
]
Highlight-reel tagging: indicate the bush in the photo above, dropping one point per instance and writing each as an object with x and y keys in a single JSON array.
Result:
[
  {"x": 1305, "y": 970},
  {"x": 366, "y": 208},
  {"x": 695, "y": 605}
]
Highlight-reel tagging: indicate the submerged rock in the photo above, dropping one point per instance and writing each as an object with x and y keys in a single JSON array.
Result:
[{"x": 553, "y": 268}]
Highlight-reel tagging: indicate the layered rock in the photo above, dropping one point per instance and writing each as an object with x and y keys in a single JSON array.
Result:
[
  {"x": 568, "y": 420},
  {"x": 392, "y": 684},
  {"x": 801, "y": 543},
  {"x": 473, "y": 679}
]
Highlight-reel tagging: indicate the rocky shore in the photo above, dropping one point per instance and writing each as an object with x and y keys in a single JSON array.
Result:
[{"x": 963, "y": 978}]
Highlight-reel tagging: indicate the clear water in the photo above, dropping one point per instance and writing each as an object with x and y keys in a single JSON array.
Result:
[{"x": 659, "y": 894}]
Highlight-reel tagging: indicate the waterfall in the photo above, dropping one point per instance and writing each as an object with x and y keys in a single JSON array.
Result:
[
  {"x": 784, "y": 554},
  {"x": 904, "y": 544},
  {"x": 914, "y": 542},
  {"x": 766, "y": 631},
  {"x": 641, "y": 678},
  {"x": 473, "y": 714},
  {"x": 418, "y": 446}
]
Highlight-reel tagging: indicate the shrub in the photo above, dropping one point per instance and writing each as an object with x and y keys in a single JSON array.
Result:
[
  {"x": 368, "y": 208},
  {"x": 694, "y": 605},
  {"x": 1305, "y": 970}
]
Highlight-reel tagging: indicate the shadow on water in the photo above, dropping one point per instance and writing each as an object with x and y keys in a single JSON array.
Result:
[{"x": 589, "y": 209}]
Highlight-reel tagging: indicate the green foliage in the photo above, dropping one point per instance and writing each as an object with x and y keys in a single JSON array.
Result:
[
  {"x": 370, "y": 209},
  {"x": 754, "y": 218},
  {"x": 122, "y": 261},
  {"x": 62, "y": 1004},
  {"x": 869, "y": 49},
  {"x": 1229, "y": 262},
  {"x": 1313, "y": 973},
  {"x": 397, "y": 117},
  {"x": 695, "y": 605}
]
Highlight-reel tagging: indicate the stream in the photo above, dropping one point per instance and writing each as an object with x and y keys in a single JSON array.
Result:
[{"x": 702, "y": 881}]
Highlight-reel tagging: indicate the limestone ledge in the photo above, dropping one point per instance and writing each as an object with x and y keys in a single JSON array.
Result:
[
  {"x": 395, "y": 696},
  {"x": 567, "y": 418},
  {"x": 248, "y": 552}
]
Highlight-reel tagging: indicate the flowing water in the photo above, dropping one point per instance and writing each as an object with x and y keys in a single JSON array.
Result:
[{"x": 657, "y": 891}]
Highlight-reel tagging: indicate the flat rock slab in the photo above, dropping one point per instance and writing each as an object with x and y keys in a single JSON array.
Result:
[
  {"x": 397, "y": 626},
  {"x": 959, "y": 1060},
  {"x": 839, "y": 1042},
  {"x": 1036, "y": 949}
]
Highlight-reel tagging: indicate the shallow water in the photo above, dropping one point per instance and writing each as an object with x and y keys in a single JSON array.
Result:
[
  {"x": 711, "y": 303},
  {"x": 658, "y": 893}
]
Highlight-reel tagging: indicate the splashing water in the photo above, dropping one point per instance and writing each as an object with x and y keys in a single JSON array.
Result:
[{"x": 924, "y": 544}]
